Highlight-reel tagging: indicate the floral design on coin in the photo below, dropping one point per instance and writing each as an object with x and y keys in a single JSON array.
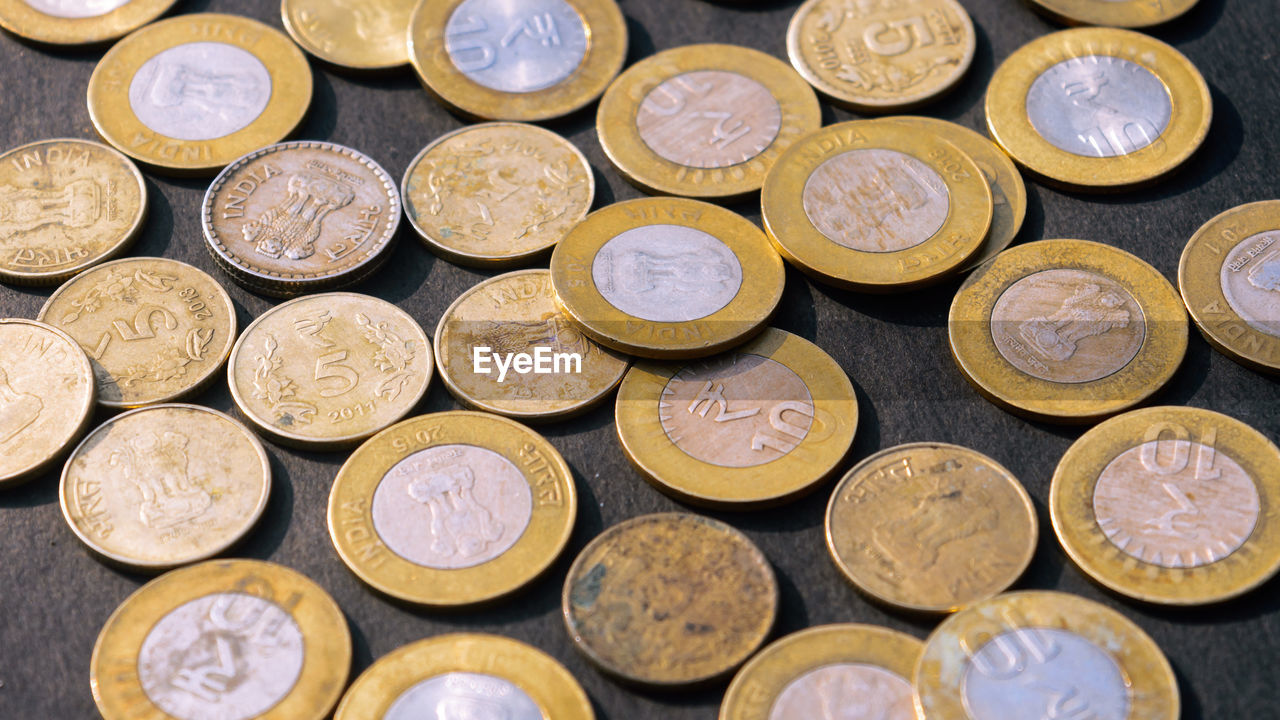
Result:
[
  {"x": 200, "y": 90},
  {"x": 516, "y": 47},
  {"x": 709, "y": 119},
  {"x": 1099, "y": 106},
  {"x": 461, "y": 695},
  {"x": 846, "y": 690}
]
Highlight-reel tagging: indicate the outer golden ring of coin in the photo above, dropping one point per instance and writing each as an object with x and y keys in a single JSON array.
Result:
[
  {"x": 293, "y": 14},
  {"x": 641, "y": 166},
  {"x": 814, "y": 459},
  {"x": 65, "y": 495},
  {"x": 552, "y": 688},
  {"x": 755, "y": 689},
  {"x": 20, "y": 18},
  {"x": 1010, "y": 125},
  {"x": 1071, "y": 509},
  {"x": 354, "y": 535},
  {"x": 1109, "y": 13},
  {"x": 113, "y": 116},
  {"x": 762, "y": 281},
  {"x": 125, "y": 240},
  {"x": 441, "y": 247},
  {"x": 113, "y": 669},
  {"x": 795, "y": 236},
  {"x": 1201, "y": 285},
  {"x": 606, "y": 31},
  {"x": 940, "y": 673},
  {"x": 976, "y": 355}
]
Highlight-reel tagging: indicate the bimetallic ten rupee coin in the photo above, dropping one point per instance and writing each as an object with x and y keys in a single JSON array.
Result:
[
  {"x": 78, "y": 22},
  {"x": 1171, "y": 505},
  {"x": 931, "y": 527},
  {"x": 223, "y": 639},
  {"x": 352, "y": 34},
  {"x": 65, "y": 205},
  {"x": 324, "y": 372},
  {"x": 670, "y": 600},
  {"x": 1067, "y": 330},
  {"x": 757, "y": 426},
  {"x": 165, "y": 486},
  {"x": 1098, "y": 108},
  {"x": 1036, "y": 654},
  {"x": 1114, "y": 13},
  {"x": 452, "y": 509},
  {"x": 705, "y": 121},
  {"x": 155, "y": 329}
]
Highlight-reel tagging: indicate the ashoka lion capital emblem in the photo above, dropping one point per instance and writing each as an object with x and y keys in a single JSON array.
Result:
[
  {"x": 460, "y": 525},
  {"x": 1091, "y": 310},
  {"x": 292, "y": 227},
  {"x": 156, "y": 464}
]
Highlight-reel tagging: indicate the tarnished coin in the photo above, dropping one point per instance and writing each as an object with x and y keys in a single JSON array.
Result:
[
  {"x": 670, "y": 600},
  {"x": 466, "y": 676},
  {"x": 452, "y": 509},
  {"x": 497, "y": 194},
  {"x": 527, "y": 61},
  {"x": 1114, "y": 13},
  {"x": 504, "y": 347},
  {"x": 877, "y": 206},
  {"x": 190, "y": 94},
  {"x": 1067, "y": 330},
  {"x": 324, "y": 372},
  {"x": 1170, "y": 505},
  {"x": 155, "y": 329},
  {"x": 46, "y": 397},
  {"x": 757, "y": 426},
  {"x": 1098, "y": 108},
  {"x": 705, "y": 121},
  {"x": 860, "y": 672},
  {"x": 1037, "y": 654},
  {"x": 223, "y": 639},
  {"x": 667, "y": 278},
  {"x": 65, "y": 205},
  {"x": 1230, "y": 280},
  {"x": 301, "y": 216},
  {"x": 165, "y": 486},
  {"x": 881, "y": 55},
  {"x": 354, "y": 34},
  {"x": 931, "y": 527},
  {"x": 78, "y": 22}
]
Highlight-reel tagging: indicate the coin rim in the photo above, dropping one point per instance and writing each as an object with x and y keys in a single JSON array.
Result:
[
  {"x": 25, "y": 21},
  {"x": 297, "y": 31},
  {"x": 1131, "y": 14}
]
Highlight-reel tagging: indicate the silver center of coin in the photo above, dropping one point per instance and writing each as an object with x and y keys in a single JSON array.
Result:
[
  {"x": 76, "y": 8},
  {"x": 516, "y": 46},
  {"x": 225, "y": 656},
  {"x": 1099, "y": 106},
  {"x": 464, "y": 696},
  {"x": 1251, "y": 281},
  {"x": 200, "y": 91},
  {"x": 667, "y": 273},
  {"x": 709, "y": 119},
  {"x": 851, "y": 690},
  {"x": 1043, "y": 673},
  {"x": 452, "y": 506},
  {"x": 876, "y": 200}
]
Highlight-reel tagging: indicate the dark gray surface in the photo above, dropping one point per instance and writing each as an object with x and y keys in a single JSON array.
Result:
[{"x": 54, "y": 597}]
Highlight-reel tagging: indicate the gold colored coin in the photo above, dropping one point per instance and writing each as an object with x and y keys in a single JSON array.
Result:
[
  {"x": 78, "y": 22},
  {"x": 484, "y": 333},
  {"x": 46, "y": 397},
  {"x": 881, "y": 55},
  {"x": 1067, "y": 330},
  {"x": 223, "y": 639},
  {"x": 464, "y": 676},
  {"x": 1033, "y": 654},
  {"x": 69, "y": 204},
  {"x": 324, "y": 372},
  {"x": 360, "y": 35},
  {"x": 931, "y": 527},
  {"x": 876, "y": 206},
  {"x": 528, "y": 61},
  {"x": 757, "y": 426},
  {"x": 497, "y": 194},
  {"x": 452, "y": 509},
  {"x": 704, "y": 121},
  {"x": 165, "y": 486},
  {"x": 1171, "y": 505},
  {"x": 1114, "y": 13},
  {"x": 1230, "y": 280},
  {"x": 155, "y": 329},
  {"x": 301, "y": 216},
  {"x": 1098, "y": 108},
  {"x": 670, "y": 600},
  {"x": 190, "y": 94},
  {"x": 667, "y": 278},
  {"x": 863, "y": 670}
]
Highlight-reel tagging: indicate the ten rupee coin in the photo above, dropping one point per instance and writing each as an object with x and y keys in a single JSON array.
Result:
[{"x": 78, "y": 22}]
